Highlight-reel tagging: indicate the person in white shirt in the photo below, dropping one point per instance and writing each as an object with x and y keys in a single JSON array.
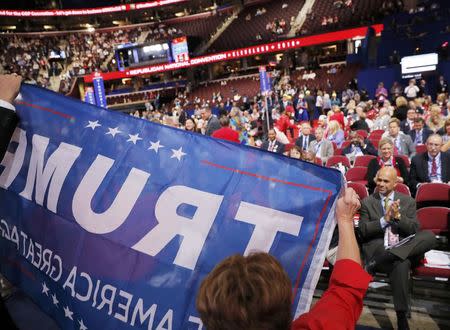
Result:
[{"x": 411, "y": 90}]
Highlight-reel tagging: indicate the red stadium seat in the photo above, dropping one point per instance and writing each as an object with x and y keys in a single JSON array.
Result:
[
  {"x": 434, "y": 218},
  {"x": 337, "y": 152},
  {"x": 424, "y": 271},
  {"x": 359, "y": 188},
  {"x": 405, "y": 159},
  {"x": 345, "y": 144},
  {"x": 363, "y": 160},
  {"x": 319, "y": 161},
  {"x": 376, "y": 133},
  {"x": 375, "y": 141},
  {"x": 363, "y": 133},
  {"x": 402, "y": 188},
  {"x": 357, "y": 174},
  {"x": 421, "y": 148},
  {"x": 338, "y": 159},
  {"x": 433, "y": 194},
  {"x": 288, "y": 147}
]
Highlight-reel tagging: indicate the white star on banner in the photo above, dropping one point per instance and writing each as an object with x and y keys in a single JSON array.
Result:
[
  {"x": 45, "y": 289},
  {"x": 82, "y": 326},
  {"x": 134, "y": 138},
  {"x": 178, "y": 153},
  {"x": 68, "y": 313},
  {"x": 93, "y": 124},
  {"x": 55, "y": 301},
  {"x": 155, "y": 146},
  {"x": 113, "y": 131}
]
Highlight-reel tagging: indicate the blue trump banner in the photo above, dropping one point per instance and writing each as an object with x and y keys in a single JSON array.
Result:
[{"x": 109, "y": 221}]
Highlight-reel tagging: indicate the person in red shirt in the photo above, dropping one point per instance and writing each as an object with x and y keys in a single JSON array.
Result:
[
  {"x": 338, "y": 116},
  {"x": 254, "y": 292},
  {"x": 282, "y": 125},
  {"x": 226, "y": 132}
]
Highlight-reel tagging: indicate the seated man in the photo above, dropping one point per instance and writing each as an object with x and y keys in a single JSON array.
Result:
[
  {"x": 272, "y": 144},
  {"x": 403, "y": 145},
  {"x": 321, "y": 147},
  {"x": 407, "y": 125},
  {"x": 358, "y": 147},
  {"x": 255, "y": 293},
  {"x": 386, "y": 217},
  {"x": 305, "y": 137},
  {"x": 420, "y": 133},
  {"x": 430, "y": 166}
]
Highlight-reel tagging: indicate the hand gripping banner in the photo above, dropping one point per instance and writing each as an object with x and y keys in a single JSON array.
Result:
[{"x": 111, "y": 222}]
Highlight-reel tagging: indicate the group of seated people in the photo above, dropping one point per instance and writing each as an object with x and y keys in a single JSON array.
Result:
[
  {"x": 329, "y": 20},
  {"x": 386, "y": 217},
  {"x": 393, "y": 146},
  {"x": 278, "y": 26}
]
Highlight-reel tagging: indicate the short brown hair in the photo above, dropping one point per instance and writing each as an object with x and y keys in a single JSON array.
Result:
[
  {"x": 394, "y": 120},
  {"x": 252, "y": 293},
  {"x": 447, "y": 123}
]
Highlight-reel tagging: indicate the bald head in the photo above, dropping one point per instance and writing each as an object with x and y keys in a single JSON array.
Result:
[{"x": 386, "y": 179}]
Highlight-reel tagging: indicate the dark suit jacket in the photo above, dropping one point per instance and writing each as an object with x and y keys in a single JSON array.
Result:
[
  {"x": 279, "y": 147},
  {"x": 299, "y": 141},
  {"x": 426, "y": 132},
  {"x": 368, "y": 150},
  {"x": 404, "y": 127},
  {"x": 419, "y": 170},
  {"x": 374, "y": 166},
  {"x": 371, "y": 233},
  {"x": 8, "y": 123}
]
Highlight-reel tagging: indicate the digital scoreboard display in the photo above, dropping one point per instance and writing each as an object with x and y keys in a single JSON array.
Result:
[
  {"x": 135, "y": 55},
  {"x": 414, "y": 66},
  {"x": 180, "y": 50}
]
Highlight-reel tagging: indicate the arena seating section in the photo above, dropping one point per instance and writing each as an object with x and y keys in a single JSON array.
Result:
[
  {"x": 357, "y": 14},
  {"x": 242, "y": 33}
]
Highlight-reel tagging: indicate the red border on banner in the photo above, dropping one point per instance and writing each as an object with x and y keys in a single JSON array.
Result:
[
  {"x": 35, "y": 106},
  {"x": 316, "y": 231}
]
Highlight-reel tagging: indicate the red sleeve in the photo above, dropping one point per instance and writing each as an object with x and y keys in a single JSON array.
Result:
[{"x": 341, "y": 305}]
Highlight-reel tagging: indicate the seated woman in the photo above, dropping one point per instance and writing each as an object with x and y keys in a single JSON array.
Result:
[
  {"x": 335, "y": 133},
  {"x": 295, "y": 152},
  {"x": 386, "y": 158}
]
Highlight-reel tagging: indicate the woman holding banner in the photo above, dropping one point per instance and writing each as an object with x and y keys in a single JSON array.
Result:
[{"x": 254, "y": 292}]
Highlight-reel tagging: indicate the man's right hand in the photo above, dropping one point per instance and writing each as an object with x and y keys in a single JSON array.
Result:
[{"x": 9, "y": 87}]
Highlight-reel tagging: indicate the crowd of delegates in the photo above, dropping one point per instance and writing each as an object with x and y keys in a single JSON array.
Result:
[
  {"x": 313, "y": 126},
  {"x": 37, "y": 58}
]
